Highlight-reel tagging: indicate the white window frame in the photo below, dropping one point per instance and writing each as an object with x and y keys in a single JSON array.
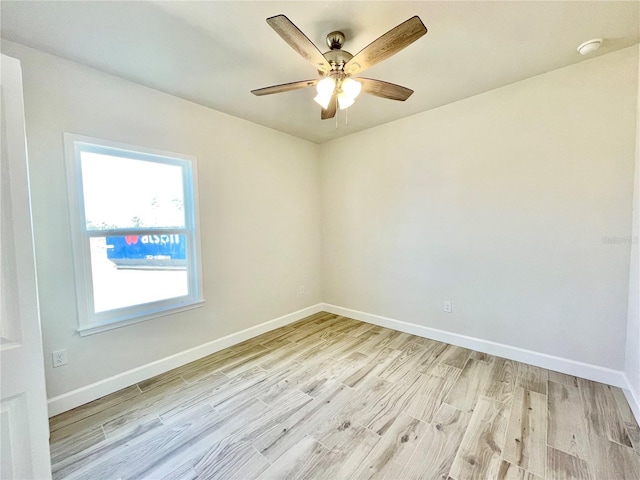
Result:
[{"x": 90, "y": 322}]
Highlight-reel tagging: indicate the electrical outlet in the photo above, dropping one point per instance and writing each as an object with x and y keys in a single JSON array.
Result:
[
  {"x": 59, "y": 358},
  {"x": 301, "y": 289},
  {"x": 448, "y": 307}
]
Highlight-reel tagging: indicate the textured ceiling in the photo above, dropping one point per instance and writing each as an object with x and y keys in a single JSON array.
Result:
[{"x": 214, "y": 53}]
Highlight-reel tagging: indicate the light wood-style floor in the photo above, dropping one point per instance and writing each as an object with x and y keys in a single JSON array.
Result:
[{"x": 334, "y": 398}]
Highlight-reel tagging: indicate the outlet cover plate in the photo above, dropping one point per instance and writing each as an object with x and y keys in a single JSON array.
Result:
[
  {"x": 448, "y": 307},
  {"x": 59, "y": 358}
]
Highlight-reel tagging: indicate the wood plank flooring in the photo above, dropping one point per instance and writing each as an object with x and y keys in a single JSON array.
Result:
[{"x": 334, "y": 398}]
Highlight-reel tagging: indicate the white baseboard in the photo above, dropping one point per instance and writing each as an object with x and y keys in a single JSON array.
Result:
[
  {"x": 633, "y": 397},
  {"x": 96, "y": 390},
  {"x": 99, "y": 389},
  {"x": 559, "y": 364}
]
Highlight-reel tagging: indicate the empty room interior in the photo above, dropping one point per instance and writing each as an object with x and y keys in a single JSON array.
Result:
[{"x": 333, "y": 240}]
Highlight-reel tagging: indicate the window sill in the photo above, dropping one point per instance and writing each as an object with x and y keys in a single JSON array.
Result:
[{"x": 103, "y": 327}]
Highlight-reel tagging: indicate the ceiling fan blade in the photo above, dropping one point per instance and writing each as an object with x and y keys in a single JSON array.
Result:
[
  {"x": 388, "y": 44},
  {"x": 330, "y": 111},
  {"x": 299, "y": 42},
  {"x": 285, "y": 87},
  {"x": 384, "y": 89}
]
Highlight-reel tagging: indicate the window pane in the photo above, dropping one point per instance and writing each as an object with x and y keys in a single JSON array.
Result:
[
  {"x": 125, "y": 193},
  {"x": 138, "y": 269}
]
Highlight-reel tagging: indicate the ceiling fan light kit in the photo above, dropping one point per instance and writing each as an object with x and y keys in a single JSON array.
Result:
[
  {"x": 346, "y": 90},
  {"x": 337, "y": 89}
]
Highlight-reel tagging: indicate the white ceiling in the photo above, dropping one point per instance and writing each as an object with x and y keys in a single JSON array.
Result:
[{"x": 214, "y": 53}]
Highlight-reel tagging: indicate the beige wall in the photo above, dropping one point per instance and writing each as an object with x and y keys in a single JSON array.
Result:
[
  {"x": 499, "y": 203},
  {"x": 632, "y": 363},
  {"x": 259, "y": 203}
]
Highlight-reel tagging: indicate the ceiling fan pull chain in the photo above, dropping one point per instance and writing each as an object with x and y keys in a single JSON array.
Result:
[
  {"x": 346, "y": 116},
  {"x": 337, "y": 115}
]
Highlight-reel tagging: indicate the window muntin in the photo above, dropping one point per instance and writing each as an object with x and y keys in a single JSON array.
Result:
[{"x": 134, "y": 230}]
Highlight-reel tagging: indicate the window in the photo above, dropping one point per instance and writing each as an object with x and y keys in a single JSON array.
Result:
[{"x": 134, "y": 219}]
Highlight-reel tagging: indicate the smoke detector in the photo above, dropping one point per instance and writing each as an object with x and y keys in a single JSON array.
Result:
[{"x": 589, "y": 46}]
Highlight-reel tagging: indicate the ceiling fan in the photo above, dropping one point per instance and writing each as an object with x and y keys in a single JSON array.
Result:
[{"x": 336, "y": 89}]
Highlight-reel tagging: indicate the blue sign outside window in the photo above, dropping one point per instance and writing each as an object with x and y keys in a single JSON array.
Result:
[{"x": 165, "y": 251}]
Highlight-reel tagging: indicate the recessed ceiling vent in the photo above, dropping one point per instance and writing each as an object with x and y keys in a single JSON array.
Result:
[{"x": 589, "y": 46}]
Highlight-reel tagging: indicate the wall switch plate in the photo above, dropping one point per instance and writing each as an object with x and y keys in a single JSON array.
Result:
[
  {"x": 59, "y": 358},
  {"x": 302, "y": 290},
  {"x": 448, "y": 307}
]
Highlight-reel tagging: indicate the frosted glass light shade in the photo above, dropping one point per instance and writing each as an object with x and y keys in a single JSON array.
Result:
[
  {"x": 351, "y": 88},
  {"x": 325, "y": 88},
  {"x": 323, "y": 101},
  {"x": 344, "y": 101}
]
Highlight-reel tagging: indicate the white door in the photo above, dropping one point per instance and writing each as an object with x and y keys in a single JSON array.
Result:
[{"x": 24, "y": 427}]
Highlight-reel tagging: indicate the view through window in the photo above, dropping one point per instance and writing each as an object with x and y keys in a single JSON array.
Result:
[
  {"x": 134, "y": 269},
  {"x": 136, "y": 232}
]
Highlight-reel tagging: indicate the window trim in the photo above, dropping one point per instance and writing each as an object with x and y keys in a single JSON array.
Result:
[{"x": 90, "y": 322}]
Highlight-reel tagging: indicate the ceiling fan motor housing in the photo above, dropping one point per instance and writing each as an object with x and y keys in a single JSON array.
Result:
[
  {"x": 336, "y": 57},
  {"x": 335, "y": 40}
]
